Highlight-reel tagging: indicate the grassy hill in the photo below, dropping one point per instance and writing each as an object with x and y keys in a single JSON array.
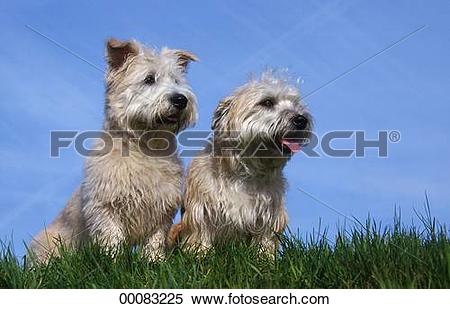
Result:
[{"x": 365, "y": 257}]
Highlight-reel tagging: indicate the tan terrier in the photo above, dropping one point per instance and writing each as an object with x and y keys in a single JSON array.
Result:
[
  {"x": 130, "y": 194},
  {"x": 235, "y": 188}
]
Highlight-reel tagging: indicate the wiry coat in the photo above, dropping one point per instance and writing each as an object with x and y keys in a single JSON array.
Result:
[
  {"x": 130, "y": 192},
  {"x": 221, "y": 206},
  {"x": 230, "y": 194}
]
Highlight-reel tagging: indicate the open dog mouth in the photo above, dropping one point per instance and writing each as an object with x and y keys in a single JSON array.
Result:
[
  {"x": 292, "y": 145},
  {"x": 172, "y": 118},
  {"x": 293, "y": 141}
]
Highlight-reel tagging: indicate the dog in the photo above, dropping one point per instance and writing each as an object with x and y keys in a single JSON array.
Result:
[
  {"x": 237, "y": 193},
  {"x": 130, "y": 193}
]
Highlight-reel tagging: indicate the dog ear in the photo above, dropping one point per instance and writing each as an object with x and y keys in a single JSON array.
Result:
[
  {"x": 184, "y": 57},
  {"x": 220, "y": 113},
  {"x": 118, "y": 51}
]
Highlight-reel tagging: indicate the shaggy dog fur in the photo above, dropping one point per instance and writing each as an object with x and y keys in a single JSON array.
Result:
[
  {"x": 130, "y": 192},
  {"x": 235, "y": 188}
]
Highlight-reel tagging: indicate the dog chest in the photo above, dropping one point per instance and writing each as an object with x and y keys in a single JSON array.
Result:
[
  {"x": 250, "y": 210},
  {"x": 133, "y": 188}
]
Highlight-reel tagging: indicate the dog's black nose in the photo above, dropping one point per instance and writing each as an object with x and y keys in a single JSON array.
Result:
[
  {"x": 179, "y": 101},
  {"x": 300, "y": 122}
]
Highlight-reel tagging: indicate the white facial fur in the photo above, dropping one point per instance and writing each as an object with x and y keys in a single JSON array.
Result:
[
  {"x": 135, "y": 104},
  {"x": 243, "y": 111}
]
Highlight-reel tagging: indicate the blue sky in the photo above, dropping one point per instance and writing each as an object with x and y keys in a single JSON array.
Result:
[{"x": 45, "y": 88}]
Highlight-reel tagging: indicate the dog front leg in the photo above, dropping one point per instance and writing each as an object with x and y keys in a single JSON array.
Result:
[
  {"x": 269, "y": 246},
  {"x": 155, "y": 247},
  {"x": 104, "y": 228},
  {"x": 199, "y": 242},
  {"x": 205, "y": 242}
]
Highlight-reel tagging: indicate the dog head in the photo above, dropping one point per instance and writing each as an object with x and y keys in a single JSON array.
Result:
[
  {"x": 267, "y": 115},
  {"x": 147, "y": 89}
]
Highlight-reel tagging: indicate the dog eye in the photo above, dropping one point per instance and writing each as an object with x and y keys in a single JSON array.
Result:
[
  {"x": 267, "y": 103},
  {"x": 150, "y": 79}
]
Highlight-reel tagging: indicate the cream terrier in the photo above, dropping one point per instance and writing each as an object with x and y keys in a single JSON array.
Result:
[
  {"x": 129, "y": 193},
  {"x": 235, "y": 189}
]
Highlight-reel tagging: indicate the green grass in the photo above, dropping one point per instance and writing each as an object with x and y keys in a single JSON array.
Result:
[{"x": 367, "y": 257}]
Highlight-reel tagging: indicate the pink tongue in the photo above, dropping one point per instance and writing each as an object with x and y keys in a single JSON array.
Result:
[{"x": 293, "y": 146}]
